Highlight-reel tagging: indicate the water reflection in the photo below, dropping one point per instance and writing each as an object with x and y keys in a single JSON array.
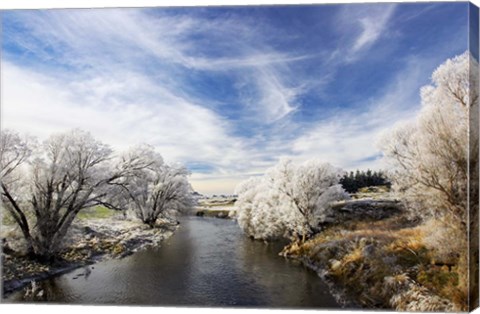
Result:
[{"x": 208, "y": 262}]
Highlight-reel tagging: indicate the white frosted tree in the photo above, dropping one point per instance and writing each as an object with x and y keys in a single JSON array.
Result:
[
  {"x": 310, "y": 187},
  {"x": 46, "y": 187},
  {"x": 288, "y": 199},
  {"x": 262, "y": 212},
  {"x": 246, "y": 191},
  {"x": 435, "y": 159},
  {"x": 152, "y": 190},
  {"x": 431, "y": 154},
  {"x": 15, "y": 151}
]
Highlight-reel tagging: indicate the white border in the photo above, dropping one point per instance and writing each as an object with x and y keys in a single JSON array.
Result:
[
  {"x": 48, "y": 4},
  {"x": 80, "y": 309}
]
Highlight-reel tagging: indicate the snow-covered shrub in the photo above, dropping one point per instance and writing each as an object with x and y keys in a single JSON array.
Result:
[{"x": 288, "y": 200}]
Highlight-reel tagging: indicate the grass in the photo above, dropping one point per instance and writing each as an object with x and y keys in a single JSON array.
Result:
[
  {"x": 373, "y": 192},
  {"x": 97, "y": 212},
  {"x": 216, "y": 203},
  {"x": 385, "y": 264},
  {"x": 7, "y": 219}
]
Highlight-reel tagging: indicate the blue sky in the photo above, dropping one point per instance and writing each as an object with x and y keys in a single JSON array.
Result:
[{"x": 228, "y": 91}]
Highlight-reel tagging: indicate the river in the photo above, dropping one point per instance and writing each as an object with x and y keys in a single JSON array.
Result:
[{"x": 207, "y": 262}]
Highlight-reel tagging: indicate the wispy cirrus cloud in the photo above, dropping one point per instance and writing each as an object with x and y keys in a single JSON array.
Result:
[
  {"x": 97, "y": 42},
  {"x": 374, "y": 24},
  {"x": 92, "y": 72},
  {"x": 42, "y": 105},
  {"x": 359, "y": 28},
  {"x": 351, "y": 138},
  {"x": 226, "y": 92}
]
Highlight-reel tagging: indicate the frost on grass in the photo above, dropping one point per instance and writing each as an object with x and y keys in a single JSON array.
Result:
[{"x": 382, "y": 264}]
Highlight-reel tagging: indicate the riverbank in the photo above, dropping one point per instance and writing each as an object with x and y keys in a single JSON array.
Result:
[
  {"x": 88, "y": 241},
  {"x": 216, "y": 213},
  {"x": 382, "y": 262},
  {"x": 208, "y": 262},
  {"x": 219, "y": 207}
]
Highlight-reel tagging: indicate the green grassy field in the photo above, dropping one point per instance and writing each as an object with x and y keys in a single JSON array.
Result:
[
  {"x": 97, "y": 212},
  {"x": 7, "y": 219}
]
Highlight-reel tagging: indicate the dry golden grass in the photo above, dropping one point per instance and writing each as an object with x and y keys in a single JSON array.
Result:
[
  {"x": 384, "y": 265},
  {"x": 353, "y": 256}
]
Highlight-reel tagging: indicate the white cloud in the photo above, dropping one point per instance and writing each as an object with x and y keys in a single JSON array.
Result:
[
  {"x": 373, "y": 26},
  {"x": 122, "y": 112},
  {"x": 100, "y": 40},
  {"x": 350, "y": 139},
  {"x": 275, "y": 100},
  {"x": 181, "y": 130},
  {"x": 359, "y": 28},
  {"x": 120, "y": 75},
  {"x": 108, "y": 35}
]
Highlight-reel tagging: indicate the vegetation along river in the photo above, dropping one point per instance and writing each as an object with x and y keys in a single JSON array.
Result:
[{"x": 208, "y": 262}]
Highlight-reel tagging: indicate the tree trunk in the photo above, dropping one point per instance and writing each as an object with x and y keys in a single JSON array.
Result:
[
  {"x": 30, "y": 249},
  {"x": 20, "y": 219},
  {"x": 150, "y": 222}
]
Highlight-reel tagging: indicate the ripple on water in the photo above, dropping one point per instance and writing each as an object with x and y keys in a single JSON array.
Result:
[{"x": 208, "y": 262}]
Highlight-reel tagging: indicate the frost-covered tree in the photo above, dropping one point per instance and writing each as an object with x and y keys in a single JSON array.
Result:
[
  {"x": 45, "y": 188},
  {"x": 310, "y": 187},
  {"x": 151, "y": 190},
  {"x": 263, "y": 212},
  {"x": 435, "y": 159},
  {"x": 288, "y": 199},
  {"x": 14, "y": 153},
  {"x": 431, "y": 155}
]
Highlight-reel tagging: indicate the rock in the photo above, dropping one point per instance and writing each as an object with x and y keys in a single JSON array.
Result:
[
  {"x": 368, "y": 251},
  {"x": 118, "y": 249},
  {"x": 325, "y": 252},
  {"x": 335, "y": 264},
  {"x": 346, "y": 208},
  {"x": 329, "y": 220},
  {"x": 390, "y": 260},
  {"x": 222, "y": 215},
  {"x": 363, "y": 241},
  {"x": 322, "y": 256},
  {"x": 6, "y": 247},
  {"x": 89, "y": 231}
]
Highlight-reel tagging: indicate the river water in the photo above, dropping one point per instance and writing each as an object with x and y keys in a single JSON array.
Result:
[{"x": 207, "y": 262}]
